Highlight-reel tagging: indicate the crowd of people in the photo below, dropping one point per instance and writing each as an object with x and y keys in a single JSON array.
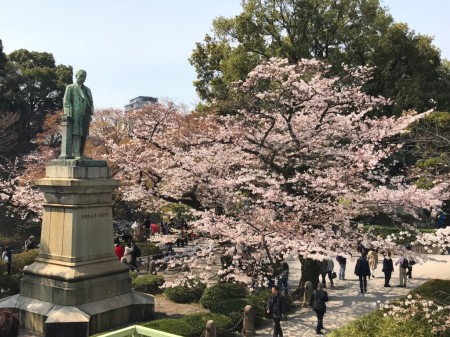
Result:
[{"x": 365, "y": 268}]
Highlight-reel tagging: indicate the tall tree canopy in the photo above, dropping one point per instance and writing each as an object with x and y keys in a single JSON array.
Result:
[
  {"x": 33, "y": 86},
  {"x": 408, "y": 68}
]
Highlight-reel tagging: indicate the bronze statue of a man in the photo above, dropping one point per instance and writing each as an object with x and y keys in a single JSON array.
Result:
[{"x": 78, "y": 109}]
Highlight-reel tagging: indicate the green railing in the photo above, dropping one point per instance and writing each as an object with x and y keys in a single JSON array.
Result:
[{"x": 138, "y": 331}]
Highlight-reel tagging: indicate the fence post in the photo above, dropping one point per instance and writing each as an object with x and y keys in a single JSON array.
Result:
[
  {"x": 248, "y": 325},
  {"x": 210, "y": 329}
]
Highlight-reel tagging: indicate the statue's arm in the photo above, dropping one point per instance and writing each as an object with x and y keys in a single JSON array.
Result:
[{"x": 68, "y": 98}]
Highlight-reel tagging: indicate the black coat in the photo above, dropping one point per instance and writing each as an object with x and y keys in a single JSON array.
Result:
[
  {"x": 388, "y": 265},
  {"x": 318, "y": 299},
  {"x": 362, "y": 267},
  {"x": 276, "y": 305}
]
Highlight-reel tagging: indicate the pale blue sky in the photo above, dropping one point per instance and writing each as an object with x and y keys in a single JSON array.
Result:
[{"x": 135, "y": 48}]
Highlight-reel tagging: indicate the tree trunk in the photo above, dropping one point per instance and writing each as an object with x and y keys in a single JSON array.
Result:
[{"x": 310, "y": 272}]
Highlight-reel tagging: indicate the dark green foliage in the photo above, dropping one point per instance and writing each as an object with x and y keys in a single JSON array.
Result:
[
  {"x": 10, "y": 283},
  {"x": 185, "y": 294},
  {"x": 19, "y": 261},
  {"x": 234, "y": 308},
  {"x": 193, "y": 325},
  {"x": 198, "y": 323},
  {"x": 222, "y": 292},
  {"x": 148, "y": 248},
  {"x": 173, "y": 326},
  {"x": 407, "y": 66},
  {"x": 148, "y": 284}
]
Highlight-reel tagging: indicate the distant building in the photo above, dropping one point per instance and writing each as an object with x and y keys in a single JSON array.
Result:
[{"x": 139, "y": 102}]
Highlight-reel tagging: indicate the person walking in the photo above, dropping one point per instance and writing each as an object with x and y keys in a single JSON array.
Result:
[
  {"x": 388, "y": 268},
  {"x": 411, "y": 263},
  {"x": 317, "y": 303},
  {"x": 330, "y": 268},
  {"x": 275, "y": 308},
  {"x": 323, "y": 271},
  {"x": 402, "y": 262},
  {"x": 7, "y": 258},
  {"x": 362, "y": 270},
  {"x": 372, "y": 256},
  {"x": 283, "y": 280},
  {"x": 342, "y": 265}
]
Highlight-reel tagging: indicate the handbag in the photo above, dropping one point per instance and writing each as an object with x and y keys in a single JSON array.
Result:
[{"x": 333, "y": 275}]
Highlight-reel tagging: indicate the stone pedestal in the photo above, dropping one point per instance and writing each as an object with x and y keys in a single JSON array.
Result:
[{"x": 77, "y": 286}]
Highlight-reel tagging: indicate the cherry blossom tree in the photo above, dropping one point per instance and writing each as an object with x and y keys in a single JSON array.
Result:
[{"x": 287, "y": 173}]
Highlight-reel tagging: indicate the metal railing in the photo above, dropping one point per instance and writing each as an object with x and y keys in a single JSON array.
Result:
[{"x": 138, "y": 331}]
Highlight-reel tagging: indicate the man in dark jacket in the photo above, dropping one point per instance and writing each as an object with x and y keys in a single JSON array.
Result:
[
  {"x": 362, "y": 270},
  {"x": 275, "y": 308},
  {"x": 388, "y": 268},
  {"x": 317, "y": 303}
]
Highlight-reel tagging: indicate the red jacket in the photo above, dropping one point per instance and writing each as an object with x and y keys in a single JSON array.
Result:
[{"x": 119, "y": 251}]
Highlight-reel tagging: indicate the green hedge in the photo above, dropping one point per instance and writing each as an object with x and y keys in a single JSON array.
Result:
[
  {"x": 148, "y": 284},
  {"x": 173, "y": 326},
  {"x": 234, "y": 308},
  {"x": 185, "y": 294},
  {"x": 222, "y": 292},
  {"x": 148, "y": 248},
  {"x": 193, "y": 325},
  {"x": 20, "y": 260}
]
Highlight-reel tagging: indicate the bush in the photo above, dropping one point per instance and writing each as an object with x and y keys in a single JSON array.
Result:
[
  {"x": 222, "y": 292},
  {"x": 148, "y": 284},
  {"x": 10, "y": 283},
  {"x": 375, "y": 325},
  {"x": 234, "y": 308},
  {"x": 19, "y": 261},
  {"x": 185, "y": 294},
  {"x": 148, "y": 248},
  {"x": 198, "y": 323},
  {"x": 173, "y": 326}
]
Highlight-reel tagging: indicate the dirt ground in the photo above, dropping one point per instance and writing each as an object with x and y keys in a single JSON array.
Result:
[{"x": 167, "y": 309}]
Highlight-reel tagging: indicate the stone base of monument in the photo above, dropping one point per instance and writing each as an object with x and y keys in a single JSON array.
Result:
[
  {"x": 55, "y": 320},
  {"x": 77, "y": 287}
]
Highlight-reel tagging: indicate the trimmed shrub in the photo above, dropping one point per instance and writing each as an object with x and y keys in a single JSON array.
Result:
[
  {"x": 198, "y": 323},
  {"x": 185, "y": 294},
  {"x": 173, "y": 326},
  {"x": 148, "y": 284},
  {"x": 222, "y": 292},
  {"x": 234, "y": 309},
  {"x": 148, "y": 248},
  {"x": 19, "y": 261}
]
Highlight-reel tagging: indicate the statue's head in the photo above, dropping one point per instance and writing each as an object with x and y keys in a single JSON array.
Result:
[{"x": 80, "y": 76}]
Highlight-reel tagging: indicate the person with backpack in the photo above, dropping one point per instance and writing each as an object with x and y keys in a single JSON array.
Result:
[
  {"x": 403, "y": 263},
  {"x": 317, "y": 303},
  {"x": 362, "y": 270},
  {"x": 275, "y": 308}
]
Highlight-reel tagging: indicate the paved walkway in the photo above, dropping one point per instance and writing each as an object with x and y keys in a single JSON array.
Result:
[{"x": 345, "y": 301}]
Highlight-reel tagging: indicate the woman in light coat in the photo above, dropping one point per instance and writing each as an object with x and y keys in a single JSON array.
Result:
[{"x": 372, "y": 256}]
